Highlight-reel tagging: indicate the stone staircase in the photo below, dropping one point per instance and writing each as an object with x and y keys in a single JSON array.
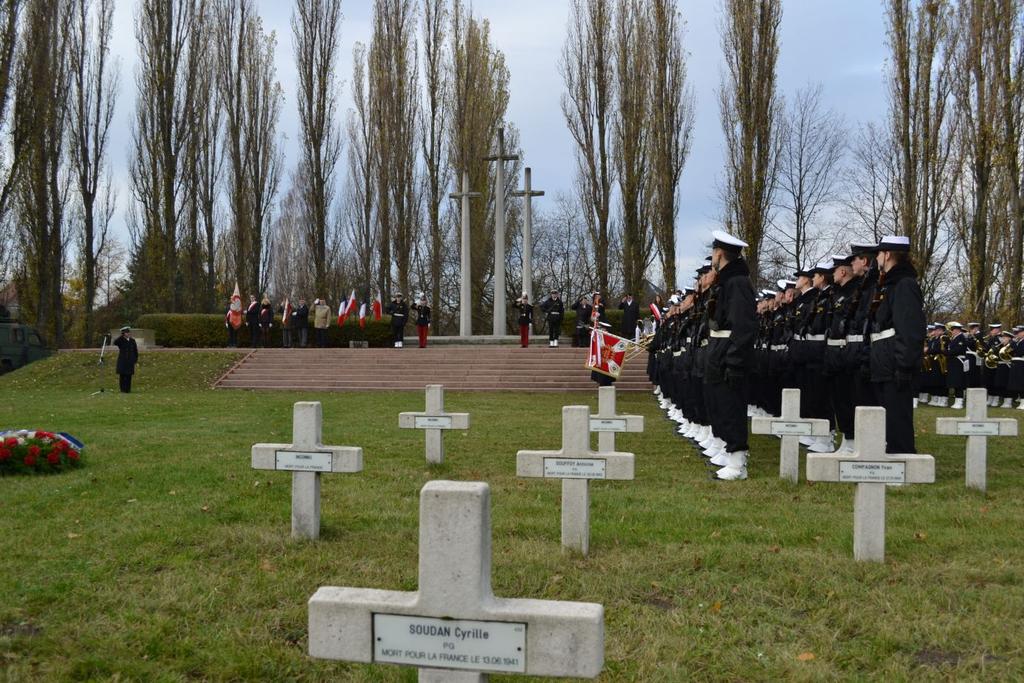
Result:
[{"x": 458, "y": 368}]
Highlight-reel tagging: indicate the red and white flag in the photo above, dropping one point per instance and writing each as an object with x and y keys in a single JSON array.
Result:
[
  {"x": 607, "y": 353},
  {"x": 656, "y": 312},
  {"x": 362, "y": 315},
  {"x": 378, "y": 307},
  {"x": 286, "y": 313},
  {"x": 235, "y": 309},
  {"x": 346, "y": 308}
]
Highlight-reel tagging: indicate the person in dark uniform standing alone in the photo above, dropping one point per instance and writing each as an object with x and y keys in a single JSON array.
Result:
[
  {"x": 554, "y": 311},
  {"x": 583, "y": 309},
  {"x": 630, "y": 308},
  {"x": 422, "y": 319},
  {"x": 525, "y": 319},
  {"x": 300, "y": 322},
  {"x": 897, "y": 340},
  {"x": 127, "y": 357},
  {"x": 733, "y": 328},
  {"x": 399, "y": 311}
]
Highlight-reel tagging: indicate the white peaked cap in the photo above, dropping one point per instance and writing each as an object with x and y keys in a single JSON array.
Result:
[{"x": 725, "y": 240}]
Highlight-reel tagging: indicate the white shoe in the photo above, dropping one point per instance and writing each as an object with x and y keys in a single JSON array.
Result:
[
  {"x": 822, "y": 444},
  {"x": 657, "y": 391},
  {"x": 735, "y": 467},
  {"x": 806, "y": 440},
  {"x": 943, "y": 402},
  {"x": 750, "y": 410},
  {"x": 958, "y": 404},
  {"x": 691, "y": 430},
  {"x": 704, "y": 434},
  {"x": 934, "y": 402},
  {"x": 719, "y": 458},
  {"x": 683, "y": 429},
  {"x": 706, "y": 441},
  {"x": 993, "y": 401},
  {"x": 1007, "y": 402},
  {"x": 556, "y": 343},
  {"x": 849, "y": 445},
  {"x": 1020, "y": 404},
  {"x": 923, "y": 397}
]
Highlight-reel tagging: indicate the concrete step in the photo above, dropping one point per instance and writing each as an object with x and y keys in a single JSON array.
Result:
[{"x": 462, "y": 368}]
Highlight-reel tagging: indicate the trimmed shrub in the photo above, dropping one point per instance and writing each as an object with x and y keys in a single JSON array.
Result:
[
  {"x": 206, "y": 330},
  {"x": 614, "y": 316}
]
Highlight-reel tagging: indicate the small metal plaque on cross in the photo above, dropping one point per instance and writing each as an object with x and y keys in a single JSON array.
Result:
[{"x": 433, "y": 420}]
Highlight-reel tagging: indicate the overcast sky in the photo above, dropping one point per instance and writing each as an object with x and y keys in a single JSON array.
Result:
[{"x": 839, "y": 43}]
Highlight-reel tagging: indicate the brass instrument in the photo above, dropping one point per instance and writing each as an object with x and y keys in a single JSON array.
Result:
[
  {"x": 940, "y": 358},
  {"x": 1006, "y": 353},
  {"x": 992, "y": 359}
]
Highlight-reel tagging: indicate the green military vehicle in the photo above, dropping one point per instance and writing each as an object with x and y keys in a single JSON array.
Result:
[{"x": 19, "y": 344}]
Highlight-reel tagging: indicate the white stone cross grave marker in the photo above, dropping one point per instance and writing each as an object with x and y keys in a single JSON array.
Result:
[
  {"x": 433, "y": 421},
  {"x": 453, "y": 627},
  {"x": 607, "y": 424},
  {"x": 790, "y": 426},
  {"x": 575, "y": 464},
  {"x": 871, "y": 469},
  {"x": 977, "y": 427},
  {"x": 306, "y": 458}
]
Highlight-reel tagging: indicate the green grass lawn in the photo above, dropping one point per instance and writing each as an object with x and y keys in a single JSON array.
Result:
[{"x": 167, "y": 558}]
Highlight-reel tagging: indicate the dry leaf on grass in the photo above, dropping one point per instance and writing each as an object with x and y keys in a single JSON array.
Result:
[
  {"x": 72, "y": 534},
  {"x": 805, "y": 656}
]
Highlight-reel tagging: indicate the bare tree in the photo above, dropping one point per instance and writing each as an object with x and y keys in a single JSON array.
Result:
[
  {"x": 252, "y": 101},
  {"x": 166, "y": 81},
  {"x": 672, "y": 115},
  {"x": 94, "y": 83},
  {"x": 361, "y": 186},
  {"x": 208, "y": 157},
  {"x": 10, "y": 14},
  {"x": 1009, "y": 75},
  {"x": 869, "y": 185},
  {"x": 750, "y": 111},
  {"x": 317, "y": 36},
  {"x": 434, "y": 118},
  {"x": 587, "y": 67},
  {"x": 810, "y": 152},
  {"x": 631, "y": 144},
  {"x": 394, "y": 92},
  {"x": 41, "y": 114},
  {"x": 920, "y": 84}
]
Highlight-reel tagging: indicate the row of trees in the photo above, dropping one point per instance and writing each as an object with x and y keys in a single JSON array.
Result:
[{"x": 944, "y": 167}]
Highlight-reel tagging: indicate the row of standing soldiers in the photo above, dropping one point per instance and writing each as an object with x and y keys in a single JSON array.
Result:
[{"x": 838, "y": 332}]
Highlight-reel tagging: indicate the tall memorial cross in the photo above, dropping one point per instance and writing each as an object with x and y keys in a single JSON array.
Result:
[
  {"x": 453, "y": 627},
  {"x": 465, "y": 291},
  {"x": 499, "y": 233},
  {"x": 607, "y": 424},
  {"x": 790, "y": 426},
  {"x": 575, "y": 464},
  {"x": 528, "y": 193},
  {"x": 306, "y": 458},
  {"x": 433, "y": 421},
  {"x": 977, "y": 427},
  {"x": 871, "y": 469}
]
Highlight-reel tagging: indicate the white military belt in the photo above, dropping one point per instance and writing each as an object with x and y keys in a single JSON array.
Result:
[
  {"x": 1017, "y": 360},
  {"x": 814, "y": 337},
  {"x": 721, "y": 334},
  {"x": 779, "y": 347},
  {"x": 851, "y": 338},
  {"x": 837, "y": 342},
  {"x": 677, "y": 353},
  {"x": 972, "y": 353},
  {"x": 884, "y": 334}
]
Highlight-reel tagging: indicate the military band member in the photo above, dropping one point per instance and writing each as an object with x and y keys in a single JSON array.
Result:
[
  {"x": 399, "y": 311},
  {"x": 1015, "y": 385},
  {"x": 936, "y": 369},
  {"x": 422, "y": 309},
  {"x": 732, "y": 329},
  {"x": 988, "y": 352},
  {"x": 1003, "y": 352},
  {"x": 958, "y": 363},
  {"x": 554, "y": 310},
  {"x": 897, "y": 339},
  {"x": 974, "y": 340},
  {"x": 525, "y": 318}
]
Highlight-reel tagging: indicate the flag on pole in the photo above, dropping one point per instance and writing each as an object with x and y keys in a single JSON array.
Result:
[
  {"x": 656, "y": 312},
  {"x": 235, "y": 309},
  {"x": 346, "y": 308},
  {"x": 286, "y": 313},
  {"x": 362, "y": 315},
  {"x": 378, "y": 306},
  {"x": 607, "y": 353}
]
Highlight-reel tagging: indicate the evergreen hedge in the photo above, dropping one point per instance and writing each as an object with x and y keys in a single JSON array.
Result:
[{"x": 205, "y": 330}]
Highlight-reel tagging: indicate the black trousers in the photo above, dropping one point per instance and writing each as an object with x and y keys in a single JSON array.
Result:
[
  {"x": 321, "y": 337},
  {"x": 864, "y": 391},
  {"x": 899, "y": 417},
  {"x": 254, "y": 332},
  {"x": 232, "y": 336},
  {"x": 842, "y": 403},
  {"x": 397, "y": 333},
  {"x": 126, "y": 383},
  {"x": 730, "y": 422},
  {"x": 554, "y": 329}
]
